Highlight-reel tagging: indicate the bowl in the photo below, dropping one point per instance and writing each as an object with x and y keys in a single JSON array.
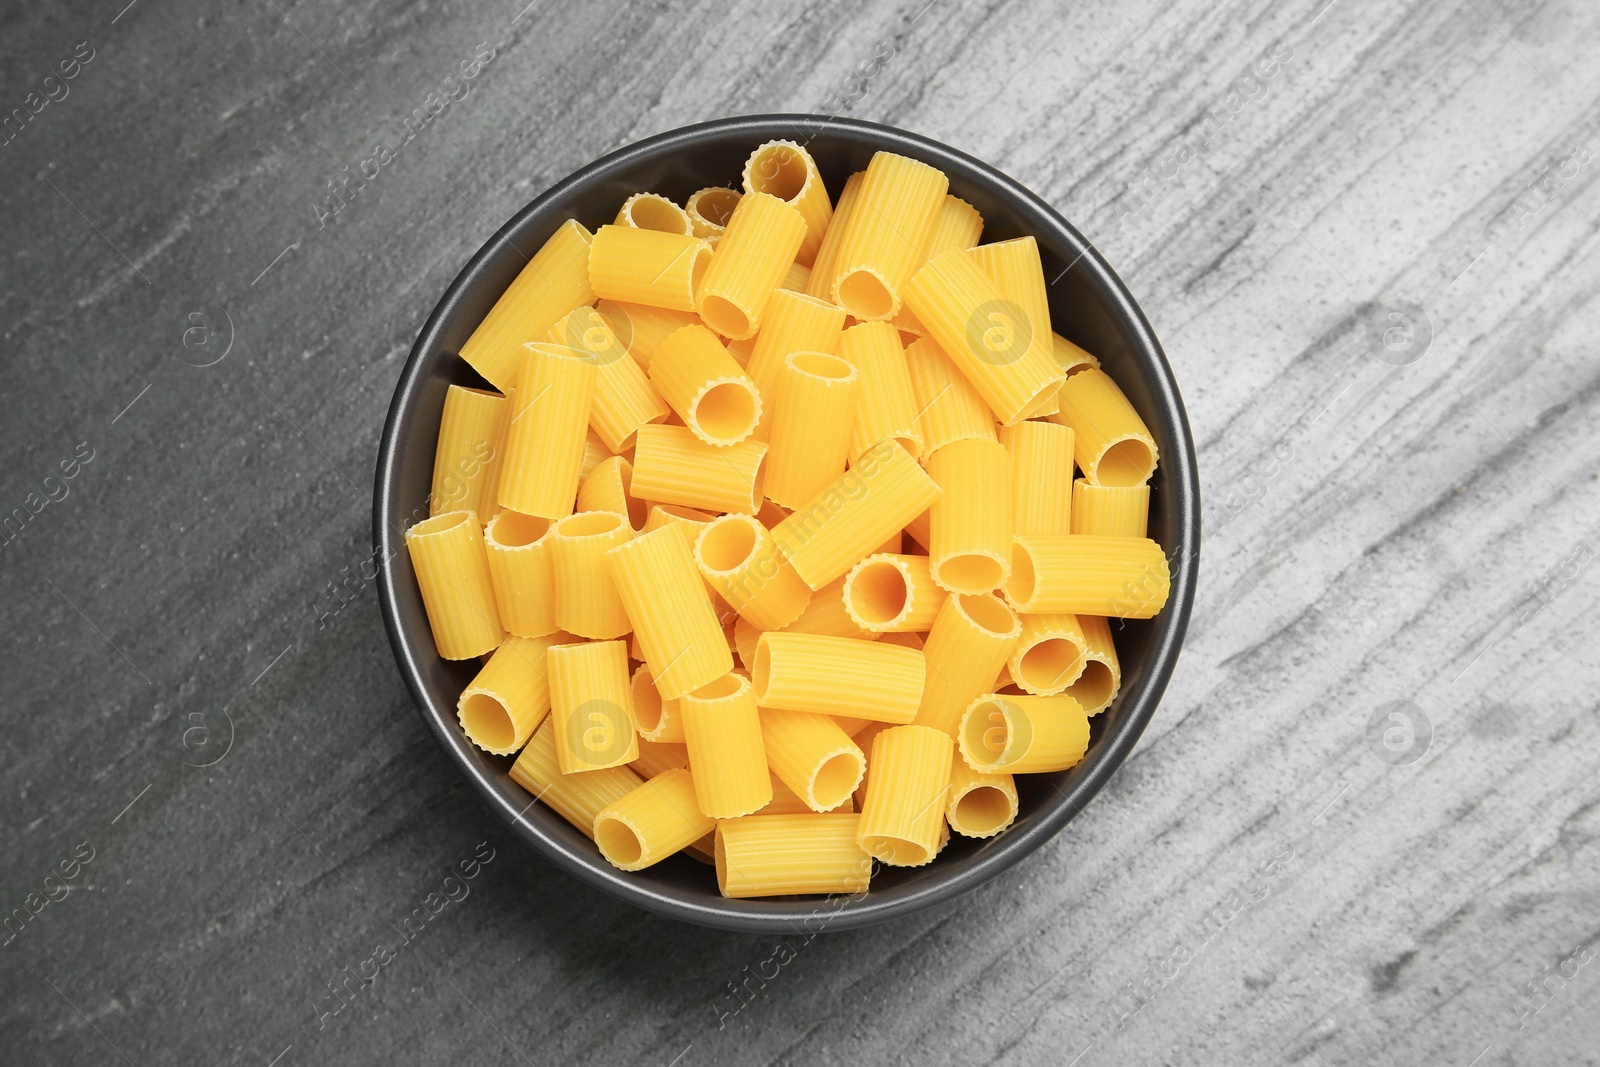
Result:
[{"x": 1088, "y": 304}]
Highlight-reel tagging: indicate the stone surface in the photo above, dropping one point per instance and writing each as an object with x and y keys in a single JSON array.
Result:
[{"x": 1386, "y": 489}]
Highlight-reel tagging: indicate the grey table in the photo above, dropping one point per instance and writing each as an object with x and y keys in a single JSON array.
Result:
[{"x": 1362, "y": 827}]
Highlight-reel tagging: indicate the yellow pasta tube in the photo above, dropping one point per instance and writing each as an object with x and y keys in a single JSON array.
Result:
[
  {"x": 652, "y": 211},
  {"x": 545, "y": 440},
  {"x": 988, "y": 337},
  {"x": 740, "y": 559},
  {"x": 1023, "y": 734},
  {"x": 642, "y": 328},
  {"x": 467, "y": 458},
  {"x": 647, "y": 266},
  {"x": 826, "y": 614},
  {"x": 555, "y": 281},
  {"x": 577, "y": 797},
  {"x": 658, "y": 756},
  {"x": 651, "y": 823},
  {"x": 886, "y": 401},
  {"x": 971, "y": 522},
  {"x": 518, "y": 553},
  {"x": 1018, "y": 274},
  {"x": 979, "y": 805},
  {"x": 820, "y": 284},
  {"x": 1069, "y": 357},
  {"x": 948, "y": 407},
  {"x": 957, "y": 225},
  {"x": 452, "y": 570},
  {"x": 587, "y": 603},
  {"x": 673, "y": 466},
  {"x": 623, "y": 399},
  {"x": 670, "y": 608},
  {"x": 837, "y": 676},
  {"x": 658, "y": 719},
  {"x": 877, "y": 496},
  {"x": 881, "y": 246},
  {"x": 889, "y": 593},
  {"x": 1109, "y": 510},
  {"x": 1123, "y": 577},
  {"x": 722, "y": 728},
  {"x": 813, "y": 756},
  {"x": 510, "y": 696},
  {"x": 785, "y": 170},
  {"x": 904, "y": 808},
  {"x": 591, "y": 705},
  {"x": 783, "y": 855},
  {"x": 702, "y": 383},
  {"x": 796, "y": 278},
  {"x": 812, "y": 417},
  {"x": 609, "y": 487},
  {"x": 1049, "y": 656},
  {"x": 793, "y": 322},
  {"x": 709, "y": 209},
  {"x": 1097, "y": 686},
  {"x": 1111, "y": 442},
  {"x": 1041, "y": 476},
  {"x": 967, "y": 648},
  {"x": 750, "y": 262}
]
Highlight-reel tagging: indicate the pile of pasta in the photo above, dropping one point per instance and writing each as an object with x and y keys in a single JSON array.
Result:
[{"x": 768, "y": 531}]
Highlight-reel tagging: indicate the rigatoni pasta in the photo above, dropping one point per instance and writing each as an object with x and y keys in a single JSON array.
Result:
[
  {"x": 881, "y": 246},
  {"x": 591, "y": 705},
  {"x": 813, "y": 415},
  {"x": 1123, "y": 577},
  {"x": 1112, "y": 444},
  {"x": 722, "y": 728},
  {"x": 749, "y": 262},
  {"x": 886, "y": 401},
  {"x": 786, "y": 171},
  {"x": 555, "y": 281},
  {"x": 517, "y": 549},
  {"x": 452, "y": 568},
  {"x": 545, "y": 441},
  {"x": 466, "y": 461},
  {"x": 970, "y": 522},
  {"x": 647, "y": 266},
  {"x": 838, "y": 676},
  {"x": 760, "y": 429},
  {"x": 1110, "y": 510},
  {"x": 702, "y": 383}
]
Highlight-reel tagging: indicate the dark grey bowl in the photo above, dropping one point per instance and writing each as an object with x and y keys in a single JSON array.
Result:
[{"x": 1088, "y": 305}]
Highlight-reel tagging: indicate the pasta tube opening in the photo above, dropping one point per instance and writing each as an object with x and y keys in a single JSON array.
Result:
[
  {"x": 866, "y": 295},
  {"x": 726, "y": 411},
  {"x": 1095, "y": 686},
  {"x": 727, "y": 543},
  {"x": 512, "y": 529},
  {"x": 878, "y": 592},
  {"x": 657, "y": 718},
  {"x": 618, "y": 842},
  {"x": 836, "y": 779},
  {"x": 971, "y": 572},
  {"x": 487, "y": 722},
  {"x": 652, "y": 211},
  {"x": 983, "y": 811},
  {"x": 1048, "y": 664},
  {"x": 709, "y": 209},
  {"x": 1127, "y": 462}
]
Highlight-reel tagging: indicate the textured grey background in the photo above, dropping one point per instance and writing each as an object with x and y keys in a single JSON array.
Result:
[{"x": 1398, "y": 509}]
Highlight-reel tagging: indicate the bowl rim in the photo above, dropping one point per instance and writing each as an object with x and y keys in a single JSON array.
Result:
[{"x": 838, "y": 912}]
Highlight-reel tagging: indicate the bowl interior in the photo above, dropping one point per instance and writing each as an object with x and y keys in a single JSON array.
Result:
[{"x": 1088, "y": 305}]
